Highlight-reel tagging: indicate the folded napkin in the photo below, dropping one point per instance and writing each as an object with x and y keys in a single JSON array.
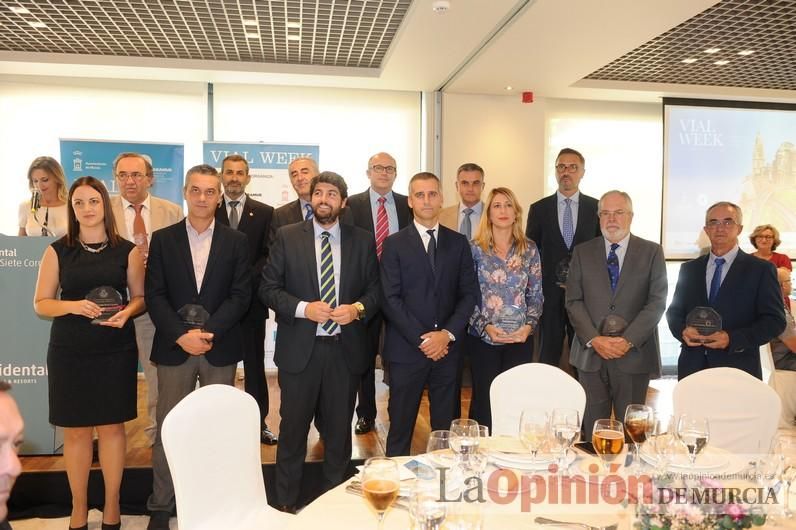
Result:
[{"x": 504, "y": 444}]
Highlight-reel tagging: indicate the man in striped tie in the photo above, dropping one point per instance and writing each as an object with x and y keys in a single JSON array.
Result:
[{"x": 322, "y": 281}]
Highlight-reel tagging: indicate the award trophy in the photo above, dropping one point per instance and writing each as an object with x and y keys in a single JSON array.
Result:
[
  {"x": 612, "y": 326},
  {"x": 562, "y": 272},
  {"x": 109, "y": 299},
  {"x": 705, "y": 320},
  {"x": 194, "y": 316},
  {"x": 509, "y": 318}
]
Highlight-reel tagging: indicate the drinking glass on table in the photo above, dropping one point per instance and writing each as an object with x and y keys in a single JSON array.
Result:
[
  {"x": 565, "y": 427},
  {"x": 662, "y": 440},
  {"x": 694, "y": 433},
  {"x": 608, "y": 439},
  {"x": 438, "y": 449},
  {"x": 464, "y": 438},
  {"x": 534, "y": 425},
  {"x": 426, "y": 510},
  {"x": 785, "y": 451},
  {"x": 638, "y": 423},
  {"x": 380, "y": 484}
]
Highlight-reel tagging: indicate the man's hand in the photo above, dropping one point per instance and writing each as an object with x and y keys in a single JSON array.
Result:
[
  {"x": 344, "y": 314},
  {"x": 435, "y": 344},
  {"x": 196, "y": 342},
  {"x": 717, "y": 341},
  {"x": 692, "y": 337},
  {"x": 318, "y": 312},
  {"x": 609, "y": 347}
]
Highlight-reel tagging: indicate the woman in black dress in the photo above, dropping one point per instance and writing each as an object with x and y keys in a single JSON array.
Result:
[{"x": 92, "y": 363}]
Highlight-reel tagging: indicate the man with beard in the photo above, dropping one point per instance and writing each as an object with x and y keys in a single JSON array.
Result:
[
  {"x": 322, "y": 281},
  {"x": 615, "y": 296}
]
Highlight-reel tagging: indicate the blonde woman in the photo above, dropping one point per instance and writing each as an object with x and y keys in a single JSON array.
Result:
[
  {"x": 45, "y": 214},
  {"x": 765, "y": 239},
  {"x": 510, "y": 277}
]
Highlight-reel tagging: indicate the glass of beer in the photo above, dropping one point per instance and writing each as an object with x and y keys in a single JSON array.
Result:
[
  {"x": 638, "y": 424},
  {"x": 608, "y": 439},
  {"x": 380, "y": 484}
]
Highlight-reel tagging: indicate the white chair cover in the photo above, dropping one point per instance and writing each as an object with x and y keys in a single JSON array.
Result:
[
  {"x": 531, "y": 385},
  {"x": 742, "y": 410},
  {"x": 212, "y": 443}
]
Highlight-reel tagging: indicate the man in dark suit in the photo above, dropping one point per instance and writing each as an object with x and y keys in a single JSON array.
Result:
[
  {"x": 623, "y": 277},
  {"x": 382, "y": 212},
  {"x": 741, "y": 288},
  {"x": 556, "y": 224},
  {"x": 240, "y": 212},
  {"x": 322, "y": 281},
  {"x": 301, "y": 171},
  {"x": 430, "y": 290},
  {"x": 198, "y": 288}
]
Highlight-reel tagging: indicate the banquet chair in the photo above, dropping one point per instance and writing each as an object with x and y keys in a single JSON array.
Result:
[
  {"x": 743, "y": 412},
  {"x": 212, "y": 444},
  {"x": 531, "y": 385}
]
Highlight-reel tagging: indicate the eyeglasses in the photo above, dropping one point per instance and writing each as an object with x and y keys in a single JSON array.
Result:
[
  {"x": 764, "y": 237},
  {"x": 566, "y": 167},
  {"x": 726, "y": 223},
  {"x": 383, "y": 169},
  {"x": 135, "y": 176},
  {"x": 614, "y": 213}
]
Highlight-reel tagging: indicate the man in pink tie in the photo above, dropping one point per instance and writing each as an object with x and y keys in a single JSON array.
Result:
[
  {"x": 382, "y": 212},
  {"x": 137, "y": 214}
]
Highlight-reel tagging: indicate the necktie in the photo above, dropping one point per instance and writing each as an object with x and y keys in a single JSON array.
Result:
[
  {"x": 308, "y": 214},
  {"x": 613, "y": 266},
  {"x": 466, "y": 227},
  {"x": 715, "y": 282},
  {"x": 328, "y": 293},
  {"x": 432, "y": 249},
  {"x": 382, "y": 226},
  {"x": 234, "y": 219},
  {"x": 567, "y": 229},
  {"x": 139, "y": 228}
]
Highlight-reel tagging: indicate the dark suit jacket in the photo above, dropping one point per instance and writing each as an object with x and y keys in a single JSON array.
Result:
[
  {"x": 640, "y": 298},
  {"x": 543, "y": 229},
  {"x": 359, "y": 211},
  {"x": 291, "y": 276},
  {"x": 287, "y": 214},
  {"x": 418, "y": 300},
  {"x": 225, "y": 294},
  {"x": 749, "y": 302},
  {"x": 255, "y": 222}
]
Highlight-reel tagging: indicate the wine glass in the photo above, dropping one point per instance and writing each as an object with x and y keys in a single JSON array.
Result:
[
  {"x": 694, "y": 433},
  {"x": 464, "y": 438},
  {"x": 565, "y": 424},
  {"x": 438, "y": 449},
  {"x": 426, "y": 510},
  {"x": 380, "y": 484},
  {"x": 608, "y": 439},
  {"x": 785, "y": 451},
  {"x": 534, "y": 425},
  {"x": 662, "y": 440},
  {"x": 638, "y": 423}
]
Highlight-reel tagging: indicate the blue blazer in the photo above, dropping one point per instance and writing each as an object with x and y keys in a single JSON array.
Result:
[
  {"x": 418, "y": 299},
  {"x": 750, "y": 305}
]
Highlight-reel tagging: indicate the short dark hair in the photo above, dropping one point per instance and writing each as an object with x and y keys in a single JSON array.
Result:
[
  {"x": 330, "y": 177},
  {"x": 470, "y": 166},
  {"x": 202, "y": 169},
  {"x": 147, "y": 164},
  {"x": 235, "y": 157},
  {"x": 570, "y": 151},
  {"x": 423, "y": 175},
  {"x": 5, "y": 386}
]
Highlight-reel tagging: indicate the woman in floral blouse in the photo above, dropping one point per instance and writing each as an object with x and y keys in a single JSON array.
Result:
[{"x": 510, "y": 276}]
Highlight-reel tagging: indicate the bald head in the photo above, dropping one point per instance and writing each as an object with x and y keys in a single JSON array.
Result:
[{"x": 783, "y": 275}]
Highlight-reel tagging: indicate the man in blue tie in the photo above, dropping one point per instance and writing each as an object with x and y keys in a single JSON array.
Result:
[{"x": 742, "y": 289}]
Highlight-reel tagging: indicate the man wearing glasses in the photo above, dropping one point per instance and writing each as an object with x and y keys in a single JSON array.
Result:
[
  {"x": 556, "y": 224},
  {"x": 137, "y": 213},
  {"x": 742, "y": 289},
  {"x": 382, "y": 212}
]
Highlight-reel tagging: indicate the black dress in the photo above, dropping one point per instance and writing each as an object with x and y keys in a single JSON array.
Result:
[{"x": 92, "y": 369}]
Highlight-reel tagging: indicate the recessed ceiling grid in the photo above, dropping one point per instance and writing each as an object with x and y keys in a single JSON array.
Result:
[
  {"x": 764, "y": 27},
  {"x": 350, "y": 33}
]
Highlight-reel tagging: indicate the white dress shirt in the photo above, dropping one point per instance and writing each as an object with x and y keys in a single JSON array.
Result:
[
  {"x": 200, "y": 249},
  {"x": 711, "y": 268},
  {"x": 334, "y": 242},
  {"x": 424, "y": 235},
  {"x": 241, "y": 201}
]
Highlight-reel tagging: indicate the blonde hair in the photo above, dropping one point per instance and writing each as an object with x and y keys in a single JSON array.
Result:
[
  {"x": 54, "y": 170},
  {"x": 758, "y": 231},
  {"x": 484, "y": 237}
]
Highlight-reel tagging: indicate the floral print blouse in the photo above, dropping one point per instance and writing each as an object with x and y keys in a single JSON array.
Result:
[{"x": 515, "y": 281}]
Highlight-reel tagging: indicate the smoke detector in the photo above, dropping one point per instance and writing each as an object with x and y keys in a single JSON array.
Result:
[{"x": 440, "y": 6}]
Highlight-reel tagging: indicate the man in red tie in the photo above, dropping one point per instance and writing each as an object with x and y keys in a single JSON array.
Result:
[
  {"x": 382, "y": 212},
  {"x": 137, "y": 214}
]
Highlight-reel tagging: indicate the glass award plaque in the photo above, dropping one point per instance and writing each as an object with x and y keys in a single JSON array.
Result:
[
  {"x": 194, "y": 316},
  {"x": 509, "y": 318},
  {"x": 108, "y": 299},
  {"x": 704, "y": 319},
  {"x": 612, "y": 326},
  {"x": 562, "y": 272}
]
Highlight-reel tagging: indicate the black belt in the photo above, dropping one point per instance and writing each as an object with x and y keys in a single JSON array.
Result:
[{"x": 328, "y": 338}]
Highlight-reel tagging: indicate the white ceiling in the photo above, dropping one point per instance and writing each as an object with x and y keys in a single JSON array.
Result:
[{"x": 476, "y": 47}]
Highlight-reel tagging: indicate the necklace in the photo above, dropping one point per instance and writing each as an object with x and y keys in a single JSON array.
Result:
[{"x": 97, "y": 250}]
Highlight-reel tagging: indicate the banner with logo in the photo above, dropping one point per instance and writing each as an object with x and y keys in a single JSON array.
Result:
[
  {"x": 95, "y": 158},
  {"x": 23, "y": 357},
  {"x": 268, "y": 164}
]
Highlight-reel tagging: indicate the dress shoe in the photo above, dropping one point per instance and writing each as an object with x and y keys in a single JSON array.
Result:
[
  {"x": 115, "y": 526},
  {"x": 364, "y": 426},
  {"x": 285, "y": 508},
  {"x": 267, "y": 437},
  {"x": 84, "y": 527},
  {"x": 158, "y": 520}
]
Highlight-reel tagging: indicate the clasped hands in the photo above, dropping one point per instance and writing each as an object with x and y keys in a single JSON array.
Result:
[
  {"x": 196, "y": 341},
  {"x": 498, "y": 336},
  {"x": 320, "y": 312},
  {"x": 434, "y": 344},
  {"x": 719, "y": 340},
  {"x": 610, "y": 347}
]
